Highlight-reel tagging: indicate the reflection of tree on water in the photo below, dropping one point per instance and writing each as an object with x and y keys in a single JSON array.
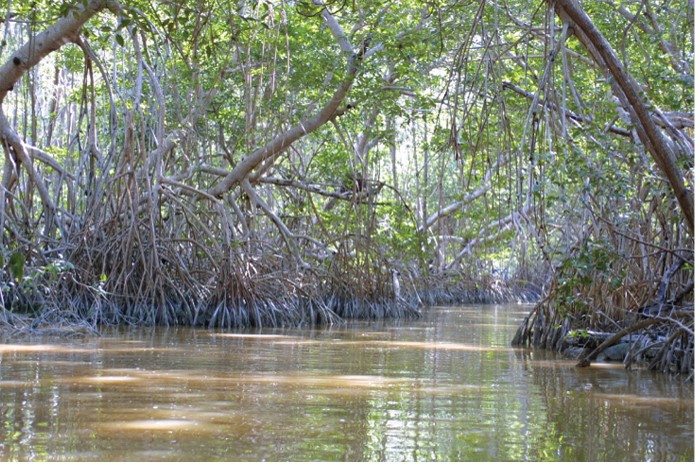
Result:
[
  {"x": 445, "y": 388},
  {"x": 616, "y": 411}
]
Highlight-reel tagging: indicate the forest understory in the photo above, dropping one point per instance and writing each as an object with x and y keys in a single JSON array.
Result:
[{"x": 269, "y": 163}]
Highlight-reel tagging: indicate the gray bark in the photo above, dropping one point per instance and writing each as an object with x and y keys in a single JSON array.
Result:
[
  {"x": 65, "y": 30},
  {"x": 628, "y": 91},
  {"x": 309, "y": 125}
]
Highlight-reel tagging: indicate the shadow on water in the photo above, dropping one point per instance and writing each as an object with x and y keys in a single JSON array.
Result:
[{"x": 447, "y": 388}]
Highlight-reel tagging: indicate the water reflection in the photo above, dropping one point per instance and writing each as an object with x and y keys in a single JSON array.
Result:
[{"x": 447, "y": 388}]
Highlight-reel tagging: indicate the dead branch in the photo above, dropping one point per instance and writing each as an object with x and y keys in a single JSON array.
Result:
[{"x": 586, "y": 361}]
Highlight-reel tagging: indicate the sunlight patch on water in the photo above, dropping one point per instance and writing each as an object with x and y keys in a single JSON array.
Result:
[
  {"x": 624, "y": 400},
  {"x": 136, "y": 350},
  {"x": 195, "y": 378},
  {"x": 357, "y": 334},
  {"x": 339, "y": 385},
  {"x": 448, "y": 389},
  {"x": 381, "y": 334},
  {"x": 104, "y": 379},
  {"x": 487, "y": 325},
  {"x": 393, "y": 343},
  {"x": 553, "y": 364},
  {"x": 352, "y": 381},
  {"x": 61, "y": 349},
  {"x": 408, "y": 328},
  {"x": 43, "y": 348},
  {"x": 426, "y": 389},
  {"x": 112, "y": 376},
  {"x": 251, "y": 336},
  {"x": 14, "y": 384},
  {"x": 168, "y": 426},
  {"x": 452, "y": 309},
  {"x": 432, "y": 346},
  {"x": 299, "y": 342},
  {"x": 172, "y": 422},
  {"x": 64, "y": 363}
]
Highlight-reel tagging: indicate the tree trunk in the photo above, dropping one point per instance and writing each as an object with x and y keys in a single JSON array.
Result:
[
  {"x": 282, "y": 141},
  {"x": 630, "y": 94},
  {"x": 33, "y": 51}
]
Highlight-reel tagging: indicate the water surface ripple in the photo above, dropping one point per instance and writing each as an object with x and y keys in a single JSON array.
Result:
[{"x": 447, "y": 387}]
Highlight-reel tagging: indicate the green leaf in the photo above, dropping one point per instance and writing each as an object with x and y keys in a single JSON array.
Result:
[{"x": 16, "y": 264}]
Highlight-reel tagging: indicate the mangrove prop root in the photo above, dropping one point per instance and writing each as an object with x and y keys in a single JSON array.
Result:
[{"x": 586, "y": 361}]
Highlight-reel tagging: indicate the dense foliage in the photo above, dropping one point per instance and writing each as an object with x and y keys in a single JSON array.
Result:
[{"x": 274, "y": 163}]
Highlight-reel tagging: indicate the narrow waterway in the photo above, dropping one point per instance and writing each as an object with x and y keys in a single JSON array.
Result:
[{"x": 447, "y": 387}]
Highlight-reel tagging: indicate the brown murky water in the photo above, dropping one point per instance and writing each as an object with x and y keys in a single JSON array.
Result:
[{"x": 445, "y": 388}]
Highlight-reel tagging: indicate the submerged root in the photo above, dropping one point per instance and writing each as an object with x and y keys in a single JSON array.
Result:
[
  {"x": 242, "y": 292},
  {"x": 612, "y": 298},
  {"x": 353, "y": 307},
  {"x": 51, "y": 323},
  {"x": 663, "y": 342}
]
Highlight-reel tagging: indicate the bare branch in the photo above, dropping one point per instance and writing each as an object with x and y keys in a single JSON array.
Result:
[
  {"x": 65, "y": 30},
  {"x": 467, "y": 198},
  {"x": 282, "y": 141},
  {"x": 629, "y": 91}
]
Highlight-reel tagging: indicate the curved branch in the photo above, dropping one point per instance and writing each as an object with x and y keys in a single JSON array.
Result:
[
  {"x": 284, "y": 140},
  {"x": 15, "y": 145},
  {"x": 309, "y": 125},
  {"x": 569, "y": 114},
  {"x": 65, "y": 30},
  {"x": 505, "y": 223},
  {"x": 629, "y": 92},
  {"x": 468, "y": 197}
]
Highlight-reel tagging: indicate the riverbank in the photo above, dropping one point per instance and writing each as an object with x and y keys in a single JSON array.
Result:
[
  {"x": 660, "y": 339},
  {"x": 266, "y": 299}
]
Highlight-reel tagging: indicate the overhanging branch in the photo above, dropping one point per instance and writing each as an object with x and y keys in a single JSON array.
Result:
[{"x": 629, "y": 92}]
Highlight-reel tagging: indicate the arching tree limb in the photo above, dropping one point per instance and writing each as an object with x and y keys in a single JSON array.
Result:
[
  {"x": 628, "y": 91},
  {"x": 284, "y": 140},
  {"x": 15, "y": 148},
  {"x": 467, "y": 198},
  {"x": 65, "y": 30},
  {"x": 505, "y": 223},
  {"x": 309, "y": 125}
]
